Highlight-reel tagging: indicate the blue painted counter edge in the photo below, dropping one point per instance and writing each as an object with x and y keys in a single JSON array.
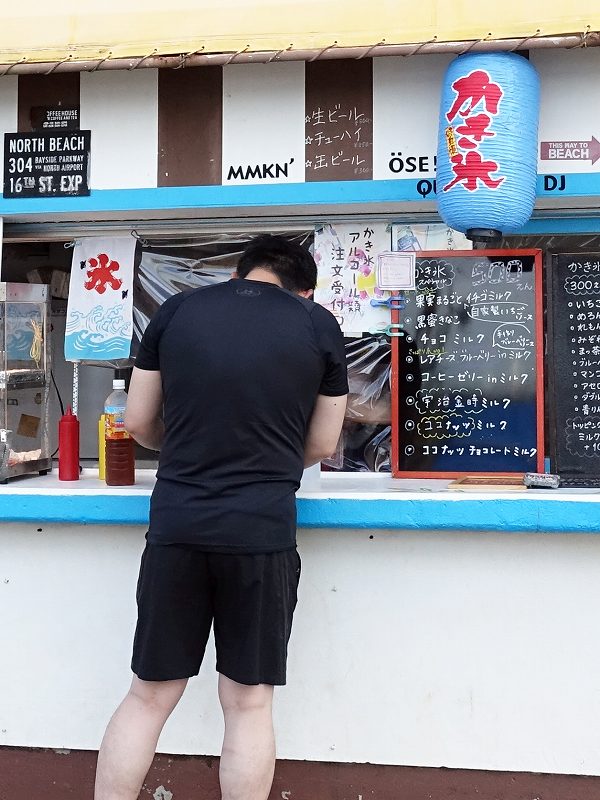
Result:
[
  {"x": 315, "y": 194},
  {"x": 544, "y": 515}
]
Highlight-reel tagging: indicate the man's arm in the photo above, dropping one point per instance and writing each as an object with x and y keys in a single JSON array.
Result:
[
  {"x": 324, "y": 428},
  {"x": 143, "y": 418}
]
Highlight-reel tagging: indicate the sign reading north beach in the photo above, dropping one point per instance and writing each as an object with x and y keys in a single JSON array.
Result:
[
  {"x": 46, "y": 164},
  {"x": 571, "y": 150}
]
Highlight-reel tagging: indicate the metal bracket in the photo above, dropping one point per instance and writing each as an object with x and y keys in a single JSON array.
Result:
[{"x": 396, "y": 329}]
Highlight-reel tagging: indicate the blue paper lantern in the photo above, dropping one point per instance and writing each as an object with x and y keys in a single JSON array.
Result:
[{"x": 487, "y": 145}]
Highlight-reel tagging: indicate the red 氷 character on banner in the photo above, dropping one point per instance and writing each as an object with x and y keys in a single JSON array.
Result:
[
  {"x": 472, "y": 89},
  {"x": 471, "y": 168},
  {"x": 101, "y": 276}
]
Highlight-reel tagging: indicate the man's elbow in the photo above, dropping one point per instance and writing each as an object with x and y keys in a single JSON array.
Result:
[
  {"x": 135, "y": 426},
  {"x": 315, "y": 453},
  {"x": 328, "y": 451}
]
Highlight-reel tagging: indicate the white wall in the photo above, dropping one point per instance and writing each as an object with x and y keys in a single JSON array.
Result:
[
  {"x": 121, "y": 109},
  {"x": 569, "y": 102},
  {"x": 263, "y": 119},
  {"x": 462, "y": 650},
  {"x": 406, "y": 107}
]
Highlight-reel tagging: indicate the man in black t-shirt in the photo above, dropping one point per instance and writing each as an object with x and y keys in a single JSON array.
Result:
[{"x": 240, "y": 386}]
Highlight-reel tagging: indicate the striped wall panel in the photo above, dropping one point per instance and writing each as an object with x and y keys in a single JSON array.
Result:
[
  {"x": 278, "y": 123},
  {"x": 8, "y": 110},
  {"x": 60, "y": 89},
  {"x": 339, "y": 120},
  {"x": 190, "y": 121},
  {"x": 406, "y": 98},
  {"x": 570, "y": 104},
  {"x": 121, "y": 110},
  {"x": 263, "y": 123}
]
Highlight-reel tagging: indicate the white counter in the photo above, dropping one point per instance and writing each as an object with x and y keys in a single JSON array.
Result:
[{"x": 355, "y": 500}]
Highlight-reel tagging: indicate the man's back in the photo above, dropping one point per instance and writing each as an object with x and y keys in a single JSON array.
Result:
[
  {"x": 238, "y": 385},
  {"x": 241, "y": 365}
]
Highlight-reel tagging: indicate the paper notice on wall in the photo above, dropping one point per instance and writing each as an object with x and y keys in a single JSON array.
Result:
[
  {"x": 99, "y": 321},
  {"x": 428, "y": 237},
  {"x": 346, "y": 257},
  {"x": 396, "y": 271}
]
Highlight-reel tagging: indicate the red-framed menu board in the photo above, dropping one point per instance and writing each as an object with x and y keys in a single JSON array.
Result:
[{"x": 467, "y": 366}]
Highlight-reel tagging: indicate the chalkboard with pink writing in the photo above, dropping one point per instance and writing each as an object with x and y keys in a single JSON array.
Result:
[{"x": 467, "y": 374}]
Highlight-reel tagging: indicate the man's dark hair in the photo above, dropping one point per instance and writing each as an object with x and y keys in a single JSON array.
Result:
[{"x": 290, "y": 262}]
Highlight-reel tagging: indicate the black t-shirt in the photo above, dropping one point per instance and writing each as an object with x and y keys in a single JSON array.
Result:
[{"x": 241, "y": 365}]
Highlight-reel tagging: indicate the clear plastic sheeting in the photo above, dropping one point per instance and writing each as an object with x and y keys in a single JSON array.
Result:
[
  {"x": 168, "y": 267},
  {"x": 367, "y": 429},
  {"x": 161, "y": 276}
]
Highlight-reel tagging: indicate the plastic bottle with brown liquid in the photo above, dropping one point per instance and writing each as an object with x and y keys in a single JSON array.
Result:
[{"x": 120, "y": 447}]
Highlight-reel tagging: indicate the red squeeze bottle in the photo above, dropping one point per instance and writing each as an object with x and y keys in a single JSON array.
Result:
[{"x": 68, "y": 447}]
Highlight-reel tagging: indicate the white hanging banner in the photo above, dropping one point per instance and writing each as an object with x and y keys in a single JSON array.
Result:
[
  {"x": 99, "y": 322},
  {"x": 346, "y": 256}
]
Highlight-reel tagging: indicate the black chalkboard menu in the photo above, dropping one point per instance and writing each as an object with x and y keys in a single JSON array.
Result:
[
  {"x": 574, "y": 350},
  {"x": 467, "y": 379}
]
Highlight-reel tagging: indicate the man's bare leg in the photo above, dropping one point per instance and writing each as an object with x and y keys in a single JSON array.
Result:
[
  {"x": 130, "y": 740},
  {"x": 248, "y": 756}
]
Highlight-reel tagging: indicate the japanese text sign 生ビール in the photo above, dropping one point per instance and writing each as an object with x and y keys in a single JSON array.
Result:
[
  {"x": 338, "y": 120},
  {"x": 99, "y": 323},
  {"x": 487, "y": 142},
  {"x": 467, "y": 371}
]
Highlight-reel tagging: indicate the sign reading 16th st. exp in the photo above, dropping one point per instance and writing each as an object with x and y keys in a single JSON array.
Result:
[{"x": 46, "y": 164}]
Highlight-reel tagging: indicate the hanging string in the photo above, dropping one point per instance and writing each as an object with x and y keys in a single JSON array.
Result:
[{"x": 75, "y": 387}]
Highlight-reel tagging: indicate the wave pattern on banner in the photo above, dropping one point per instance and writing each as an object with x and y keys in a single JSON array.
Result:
[
  {"x": 100, "y": 334},
  {"x": 101, "y": 321},
  {"x": 86, "y": 346}
]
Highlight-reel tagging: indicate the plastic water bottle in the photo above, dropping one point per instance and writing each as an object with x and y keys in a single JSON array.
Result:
[{"x": 120, "y": 447}]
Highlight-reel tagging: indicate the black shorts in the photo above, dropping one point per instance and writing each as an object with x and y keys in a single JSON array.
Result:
[{"x": 250, "y": 598}]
